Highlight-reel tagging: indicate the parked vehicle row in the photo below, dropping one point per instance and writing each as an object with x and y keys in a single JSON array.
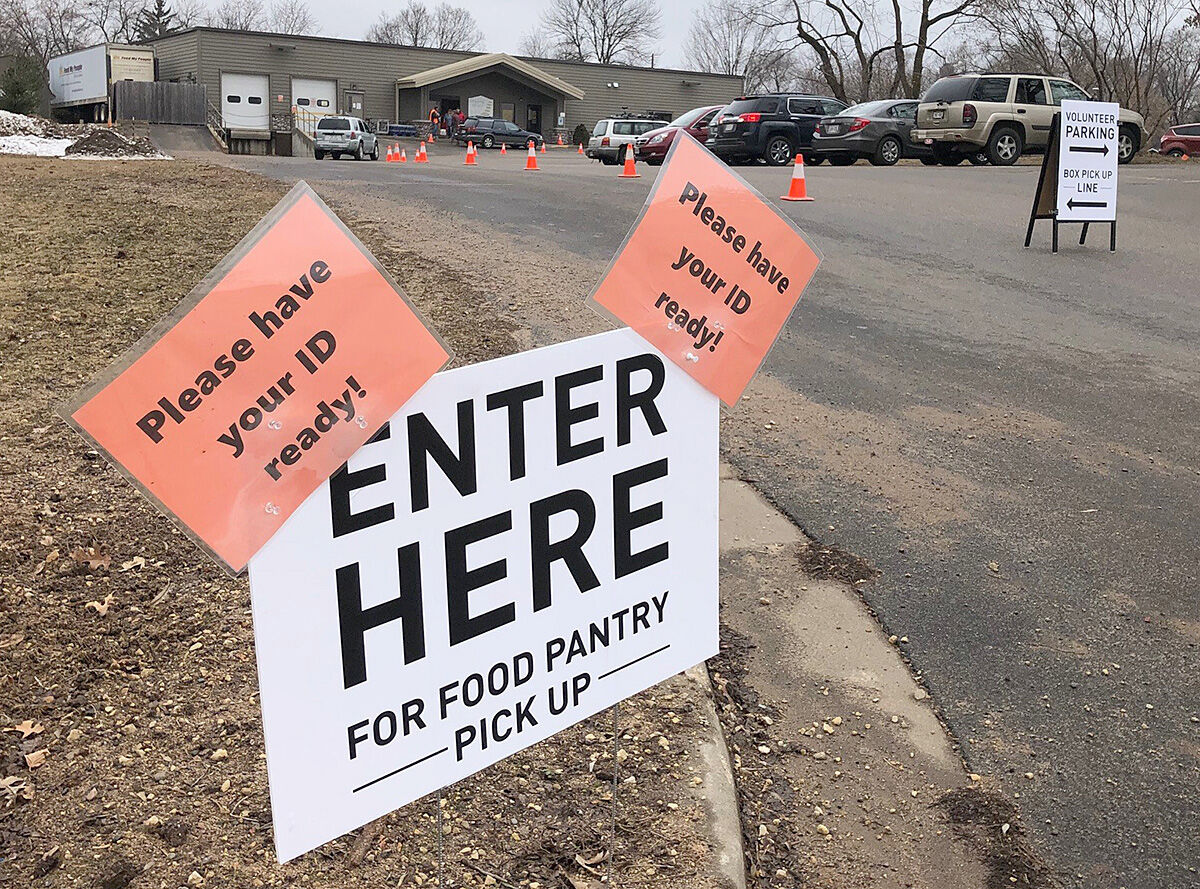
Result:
[{"x": 980, "y": 118}]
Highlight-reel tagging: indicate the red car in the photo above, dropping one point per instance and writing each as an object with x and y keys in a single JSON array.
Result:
[
  {"x": 1180, "y": 140},
  {"x": 652, "y": 147}
]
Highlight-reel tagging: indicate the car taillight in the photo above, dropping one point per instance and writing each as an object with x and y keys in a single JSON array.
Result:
[
  {"x": 970, "y": 115},
  {"x": 817, "y": 128},
  {"x": 858, "y": 124},
  {"x": 750, "y": 117},
  {"x": 353, "y": 135},
  {"x": 604, "y": 141}
]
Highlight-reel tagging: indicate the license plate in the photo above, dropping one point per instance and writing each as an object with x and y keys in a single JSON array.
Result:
[
  {"x": 938, "y": 115},
  {"x": 831, "y": 131},
  {"x": 727, "y": 128}
]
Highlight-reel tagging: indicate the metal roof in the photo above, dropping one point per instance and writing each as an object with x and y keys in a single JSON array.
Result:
[{"x": 464, "y": 67}]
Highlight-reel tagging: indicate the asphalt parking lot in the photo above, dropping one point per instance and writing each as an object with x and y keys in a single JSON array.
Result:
[{"x": 1009, "y": 436}]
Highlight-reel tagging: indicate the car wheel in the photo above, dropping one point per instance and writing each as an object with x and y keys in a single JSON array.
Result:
[
  {"x": 1175, "y": 152},
  {"x": 979, "y": 159},
  {"x": 1005, "y": 146},
  {"x": 358, "y": 152},
  {"x": 621, "y": 155},
  {"x": 657, "y": 162},
  {"x": 888, "y": 152},
  {"x": 375, "y": 151},
  {"x": 608, "y": 162},
  {"x": 337, "y": 155},
  {"x": 1126, "y": 145},
  {"x": 814, "y": 160},
  {"x": 929, "y": 160},
  {"x": 779, "y": 151},
  {"x": 319, "y": 154},
  {"x": 488, "y": 141},
  {"x": 842, "y": 160}
]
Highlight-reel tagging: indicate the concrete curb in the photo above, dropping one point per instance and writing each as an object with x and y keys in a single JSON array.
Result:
[{"x": 720, "y": 793}]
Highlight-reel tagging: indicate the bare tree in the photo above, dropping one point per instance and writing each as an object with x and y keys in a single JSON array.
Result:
[
  {"x": 444, "y": 27},
  {"x": 112, "y": 21},
  {"x": 607, "y": 31},
  {"x": 724, "y": 38},
  {"x": 1179, "y": 75},
  {"x": 42, "y": 28},
  {"x": 290, "y": 17},
  {"x": 1118, "y": 48},
  {"x": 238, "y": 15},
  {"x": 455, "y": 28},
  {"x": 189, "y": 13},
  {"x": 862, "y": 49},
  {"x": 536, "y": 43}
]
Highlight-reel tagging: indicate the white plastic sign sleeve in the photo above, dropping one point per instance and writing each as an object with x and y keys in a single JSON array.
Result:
[{"x": 527, "y": 542}]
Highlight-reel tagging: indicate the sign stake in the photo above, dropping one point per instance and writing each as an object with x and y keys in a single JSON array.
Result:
[
  {"x": 612, "y": 849},
  {"x": 441, "y": 850}
]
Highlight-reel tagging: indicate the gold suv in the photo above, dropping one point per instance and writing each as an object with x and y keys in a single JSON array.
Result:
[{"x": 997, "y": 117}]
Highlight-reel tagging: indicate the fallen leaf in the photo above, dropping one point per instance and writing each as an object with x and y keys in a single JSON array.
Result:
[
  {"x": 27, "y": 728},
  {"x": 15, "y": 787},
  {"x": 92, "y": 556},
  {"x": 136, "y": 562},
  {"x": 101, "y": 607},
  {"x": 52, "y": 556},
  {"x": 11, "y": 639},
  {"x": 35, "y": 759}
]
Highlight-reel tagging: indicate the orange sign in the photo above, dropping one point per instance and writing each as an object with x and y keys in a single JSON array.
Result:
[
  {"x": 274, "y": 370},
  {"x": 709, "y": 272}
]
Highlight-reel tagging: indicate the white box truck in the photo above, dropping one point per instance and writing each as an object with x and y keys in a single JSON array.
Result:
[{"x": 81, "y": 81}]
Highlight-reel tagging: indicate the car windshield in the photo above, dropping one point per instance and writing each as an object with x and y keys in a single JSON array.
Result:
[
  {"x": 949, "y": 89},
  {"x": 333, "y": 123},
  {"x": 688, "y": 118},
  {"x": 867, "y": 109}
]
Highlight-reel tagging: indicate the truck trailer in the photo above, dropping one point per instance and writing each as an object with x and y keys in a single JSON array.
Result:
[{"x": 81, "y": 81}]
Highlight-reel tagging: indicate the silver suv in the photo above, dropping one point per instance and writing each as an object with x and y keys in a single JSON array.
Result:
[
  {"x": 613, "y": 136},
  {"x": 336, "y": 135},
  {"x": 1001, "y": 116}
]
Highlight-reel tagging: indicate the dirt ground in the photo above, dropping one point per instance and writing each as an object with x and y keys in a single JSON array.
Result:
[{"x": 130, "y": 741}]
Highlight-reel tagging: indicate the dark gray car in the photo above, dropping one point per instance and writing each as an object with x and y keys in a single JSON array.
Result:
[{"x": 878, "y": 131}]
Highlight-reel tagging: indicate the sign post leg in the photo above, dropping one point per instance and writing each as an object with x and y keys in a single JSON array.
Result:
[
  {"x": 1112, "y": 237},
  {"x": 1054, "y": 238},
  {"x": 1029, "y": 231},
  {"x": 1083, "y": 234},
  {"x": 612, "y": 849},
  {"x": 441, "y": 852}
]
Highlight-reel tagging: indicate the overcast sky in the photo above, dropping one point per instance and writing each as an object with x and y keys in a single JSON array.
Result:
[{"x": 502, "y": 21}]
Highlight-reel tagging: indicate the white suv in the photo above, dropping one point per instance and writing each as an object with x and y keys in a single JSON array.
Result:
[
  {"x": 336, "y": 135},
  {"x": 613, "y": 136}
]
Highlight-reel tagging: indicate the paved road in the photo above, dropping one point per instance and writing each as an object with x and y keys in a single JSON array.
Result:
[{"x": 1009, "y": 436}]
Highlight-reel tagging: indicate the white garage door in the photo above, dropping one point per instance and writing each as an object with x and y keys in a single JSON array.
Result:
[
  {"x": 313, "y": 99},
  {"x": 244, "y": 102}
]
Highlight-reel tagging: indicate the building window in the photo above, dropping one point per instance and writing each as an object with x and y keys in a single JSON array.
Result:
[
  {"x": 322, "y": 103},
  {"x": 508, "y": 111},
  {"x": 233, "y": 100},
  {"x": 255, "y": 100},
  {"x": 302, "y": 102}
]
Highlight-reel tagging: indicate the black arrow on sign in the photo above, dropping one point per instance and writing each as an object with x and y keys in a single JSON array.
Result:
[
  {"x": 1090, "y": 149},
  {"x": 1072, "y": 203}
]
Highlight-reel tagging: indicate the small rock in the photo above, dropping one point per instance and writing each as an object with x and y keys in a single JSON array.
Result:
[
  {"x": 194, "y": 879},
  {"x": 219, "y": 754},
  {"x": 823, "y": 830},
  {"x": 920, "y": 694}
]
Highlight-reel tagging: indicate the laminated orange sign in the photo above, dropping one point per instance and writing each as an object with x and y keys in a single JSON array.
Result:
[
  {"x": 709, "y": 272},
  {"x": 274, "y": 370}
]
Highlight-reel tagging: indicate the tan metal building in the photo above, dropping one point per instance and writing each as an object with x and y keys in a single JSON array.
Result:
[{"x": 255, "y": 80}]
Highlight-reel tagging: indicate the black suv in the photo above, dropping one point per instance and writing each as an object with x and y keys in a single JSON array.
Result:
[
  {"x": 489, "y": 131},
  {"x": 774, "y": 128}
]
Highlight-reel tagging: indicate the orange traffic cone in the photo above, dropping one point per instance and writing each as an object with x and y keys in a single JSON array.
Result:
[
  {"x": 560, "y": 141},
  {"x": 422, "y": 157},
  {"x": 387, "y": 158},
  {"x": 469, "y": 160},
  {"x": 403, "y": 158},
  {"x": 580, "y": 151},
  {"x": 531, "y": 160},
  {"x": 543, "y": 148},
  {"x": 797, "y": 191},
  {"x": 630, "y": 171},
  {"x": 503, "y": 148}
]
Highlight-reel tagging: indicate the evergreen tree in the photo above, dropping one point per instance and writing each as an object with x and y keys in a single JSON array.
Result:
[
  {"x": 156, "y": 20},
  {"x": 21, "y": 85}
]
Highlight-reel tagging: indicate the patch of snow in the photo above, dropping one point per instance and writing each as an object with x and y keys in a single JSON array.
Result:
[
  {"x": 38, "y": 146},
  {"x": 117, "y": 157}
]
